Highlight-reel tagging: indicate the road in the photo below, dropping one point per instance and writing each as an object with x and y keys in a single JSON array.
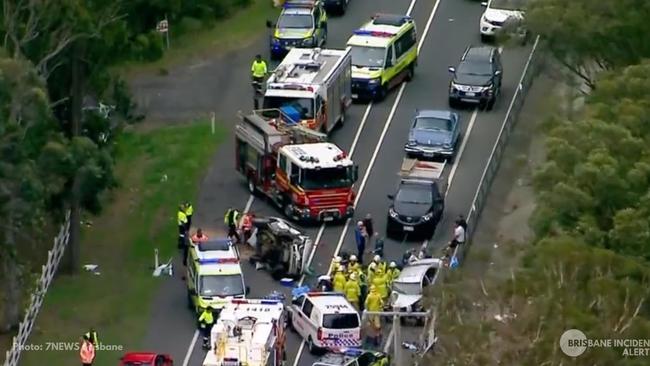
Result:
[{"x": 374, "y": 135}]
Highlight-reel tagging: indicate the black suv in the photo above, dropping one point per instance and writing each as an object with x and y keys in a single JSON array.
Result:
[
  {"x": 477, "y": 79},
  {"x": 416, "y": 210}
]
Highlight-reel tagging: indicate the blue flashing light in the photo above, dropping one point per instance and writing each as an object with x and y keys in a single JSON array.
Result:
[
  {"x": 296, "y": 4},
  {"x": 364, "y": 32},
  {"x": 217, "y": 260},
  {"x": 270, "y": 302},
  {"x": 353, "y": 352}
]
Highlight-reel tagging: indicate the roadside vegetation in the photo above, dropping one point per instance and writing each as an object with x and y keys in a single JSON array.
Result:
[
  {"x": 588, "y": 267},
  {"x": 59, "y": 63}
]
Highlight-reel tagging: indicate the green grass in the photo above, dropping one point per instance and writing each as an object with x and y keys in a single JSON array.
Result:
[
  {"x": 239, "y": 30},
  {"x": 139, "y": 216}
]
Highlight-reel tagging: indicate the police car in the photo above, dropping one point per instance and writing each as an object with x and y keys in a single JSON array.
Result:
[
  {"x": 302, "y": 24},
  {"x": 214, "y": 275},
  {"x": 384, "y": 53},
  {"x": 353, "y": 357},
  {"x": 325, "y": 320}
]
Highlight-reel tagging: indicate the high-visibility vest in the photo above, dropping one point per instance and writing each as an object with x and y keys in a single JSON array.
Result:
[
  {"x": 231, "y": 217},
  {"x": 258, "y": 69},
  {"x": 182, "y": 218},
  {"x": 93, "y": 337},
  {"x": 206, "y": 317},
  {"x": 87, "y": 352},
  {"x": 189, "y": 210}
]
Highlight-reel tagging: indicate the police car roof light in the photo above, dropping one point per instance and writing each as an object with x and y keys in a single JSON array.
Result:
[
  {"x": 217, "y": 260},
  {"x": 289, "y": 4},
  {"x": 364, "y": 32}
]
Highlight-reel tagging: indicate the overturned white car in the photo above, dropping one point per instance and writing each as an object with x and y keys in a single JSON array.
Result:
[{"x": 407, "y": 289}]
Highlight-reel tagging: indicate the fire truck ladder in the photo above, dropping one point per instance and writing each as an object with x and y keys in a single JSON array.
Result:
[{"x": 300, "y": 134}]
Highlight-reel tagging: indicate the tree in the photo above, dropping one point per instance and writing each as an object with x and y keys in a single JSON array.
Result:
[
  {"x": 598, "y": 168},
  {"x": 26, "y": 181},
  {"x": 517, "y": 315},
  {"x": 589, "y": 36}
]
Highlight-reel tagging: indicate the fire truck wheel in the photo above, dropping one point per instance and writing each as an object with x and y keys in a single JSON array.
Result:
[
  {"x": 251, "y": 186},
  {"x": 288, "y": 210}
]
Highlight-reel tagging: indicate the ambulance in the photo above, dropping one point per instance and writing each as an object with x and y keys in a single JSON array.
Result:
[
  {"x": 214, "y": 275},
  {"x": 312, "y": 87},
  {"x": 248, "y": 332},
  {"x": 325, "y": 320}
]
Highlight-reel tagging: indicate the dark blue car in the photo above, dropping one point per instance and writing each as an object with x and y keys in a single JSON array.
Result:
[{"x": 433, "y": 134}]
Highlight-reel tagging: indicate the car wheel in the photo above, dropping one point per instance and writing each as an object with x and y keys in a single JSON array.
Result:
[
  {"x": 490, "y": 104},
  {"x": 381, "y": 95},
  {"x": 190, "y": 303},
  {"x": 453, "y": 103},
  {"x": 312, "y": 347},
  {"x": 410, "y": 73},
  {"x": 251, "y": 186}
]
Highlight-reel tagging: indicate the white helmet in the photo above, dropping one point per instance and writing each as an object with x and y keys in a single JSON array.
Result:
[
  {"x": 353, "y": 258},
  {"x": 341, "y": 268},
  {"x": 372, "y": 266},
  {"x": 377, "y": 258},
  {"x": 353, "y": 276},
  {"x": 337, "y": 259},
  {"x": 392, "y": 265}
]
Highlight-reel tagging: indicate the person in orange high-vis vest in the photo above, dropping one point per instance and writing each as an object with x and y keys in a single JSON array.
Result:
[
  {"x": 87, "y": 351},
  {"x": 247, "y": 226}
]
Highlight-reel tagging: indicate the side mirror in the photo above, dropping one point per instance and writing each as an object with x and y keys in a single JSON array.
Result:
[
  {"x": 484, "y": 4},
  {"x": 248, "y": 290},
  {"x": 497, "y": 73},
  {"x": 269, "y": 24},
  {"x": 390, "y": 196},
  {"x": 452, "y": 69}
]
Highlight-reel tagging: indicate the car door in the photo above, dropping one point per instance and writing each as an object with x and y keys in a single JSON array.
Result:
[
  {"x": 389, "y": 69},
  {"x": 303, "y": 322},
  {"x": 456, "y": 128},
  {"x": 496, "y": 64},
  {"x": 403, "y": 45}
]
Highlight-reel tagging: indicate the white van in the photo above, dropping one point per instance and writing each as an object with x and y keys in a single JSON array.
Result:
[{"x": 325, "y": 320}]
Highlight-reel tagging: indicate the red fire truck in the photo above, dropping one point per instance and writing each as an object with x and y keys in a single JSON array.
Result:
[{"x": 294, "y": 166}]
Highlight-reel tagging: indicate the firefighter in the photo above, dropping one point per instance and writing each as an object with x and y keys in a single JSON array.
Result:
[
  {"x": 182, "y": 226},
  {"x": 374, "y": 302},
  {"x": 380, "y": 281},
  {"x": 353, "y": 265},
  {"x": 372, "y": 268},
  {"x": 381, "y": 265},
  {"x": 353, "y": 291},
  {"x": 206, "y": 321},
  {"x": 336, "y": 263},
  {"x": 340, "y": 280},
  {"x": 393, "y": 273},
  {"x": 231, "y": 219}
]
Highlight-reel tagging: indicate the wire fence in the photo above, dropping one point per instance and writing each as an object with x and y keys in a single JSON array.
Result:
[
  {"x": 42, "y": 284},
  {"x": 531, "y": 69}
]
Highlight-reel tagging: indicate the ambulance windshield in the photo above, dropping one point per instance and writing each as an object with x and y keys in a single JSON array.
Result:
[
  {"x": 290, "y": 106},
  {"x": 221, "y": 285},
  {"x": 368, "y": 56},
  {"x": 339, "y": 177}
]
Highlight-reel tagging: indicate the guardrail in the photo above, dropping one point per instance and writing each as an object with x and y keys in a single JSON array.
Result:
[
  {"x": 42, "y": 284},
  {"x": 491, "y": 168}
]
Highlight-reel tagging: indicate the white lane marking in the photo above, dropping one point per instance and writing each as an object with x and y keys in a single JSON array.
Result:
[
  {"x": 302, "y": 348},
  {"x": 452, "y": 174},
  {"x": 186, "y": 360},
  {"x": 249, "y": 204},
  {"x": 313, "y": 252},
  {"x": 411, "y": 6},
  {"x": 363, "y": 123}
]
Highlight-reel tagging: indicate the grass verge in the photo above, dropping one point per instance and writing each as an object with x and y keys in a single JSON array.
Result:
[
  {"x": 157, "y": 170},
  {"x": 241, "y": 28}
]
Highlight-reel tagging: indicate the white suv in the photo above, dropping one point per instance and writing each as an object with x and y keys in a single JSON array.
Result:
[{"x": 499, "y": 12}]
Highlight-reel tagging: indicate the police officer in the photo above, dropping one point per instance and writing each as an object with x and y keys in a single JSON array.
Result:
[
  {"x": 92, "y": 336},
  {"x": 206, "y": 321},
  {"x": 189, "y": 211},
  {"x": 340, "y": 280},
  {"x": 259, "y": 69},
  {"x": 353, "y": 291},
  {"x": 231, "y": 219},
  {"x": 393, "y": 272},
  {"x": 182, "y": 226}
]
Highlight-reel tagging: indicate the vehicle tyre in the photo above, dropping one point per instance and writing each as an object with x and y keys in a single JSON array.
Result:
[
  {"x": 484, "y": 38},
  {"x": 490, "y": 104},
  {"x": 251, "y": 186},
  {"x": 410, "y": 73},
  {"x": 290, "y": 321},
  {"x": 190, "y": 303},
  {"x": 312, "y": 347},
  {"x": 278, "y": 272},
  {"x": 453, "y": 103},
  {"x": 381, "y": 95},
  {"x": 288, "y": 210}
]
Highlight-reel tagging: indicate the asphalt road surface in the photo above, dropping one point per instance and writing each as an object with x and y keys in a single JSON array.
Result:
[{"x": 374, "y": 135}]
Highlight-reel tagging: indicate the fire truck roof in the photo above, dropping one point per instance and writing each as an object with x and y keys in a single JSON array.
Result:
[
  {"x": 318, "y": 155},
  {"x": 306, "y": 66},
  {"x": 289, "y": 93}
]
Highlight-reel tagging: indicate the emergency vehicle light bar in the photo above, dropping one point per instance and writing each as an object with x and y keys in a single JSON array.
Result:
[
  {"x": 259, "y": 302},
  {"x": 217, "y": 260},
  {"x": 316, "y": 294},
  {"x": 290, "y": 87},
  {"x": 288, "y": 4},
  {"x": 364, "y": 32}
]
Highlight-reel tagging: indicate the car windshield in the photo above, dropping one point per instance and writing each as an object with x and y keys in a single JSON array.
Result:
[
  {"x": 326, "y": 178},
  {"x": 407, "y": 288},
  {"x": 411, "y": 194},
  {"x": 221, "y": 285},
  {"x": 509, "y": 4},
  {"x": 431, "y": 123},
  {"x": 368, "y": 56},
  {"x": 340, "y": 321},
  {"x": 304, "y": 105},
  {"x": 475, "y": 68},
  {"x": 296, "y": 21}
]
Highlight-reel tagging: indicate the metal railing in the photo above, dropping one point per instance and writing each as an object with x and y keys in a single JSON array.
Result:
[
  {"x": 42, "y": 284},
  {"x": 491, "y": 168}
]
